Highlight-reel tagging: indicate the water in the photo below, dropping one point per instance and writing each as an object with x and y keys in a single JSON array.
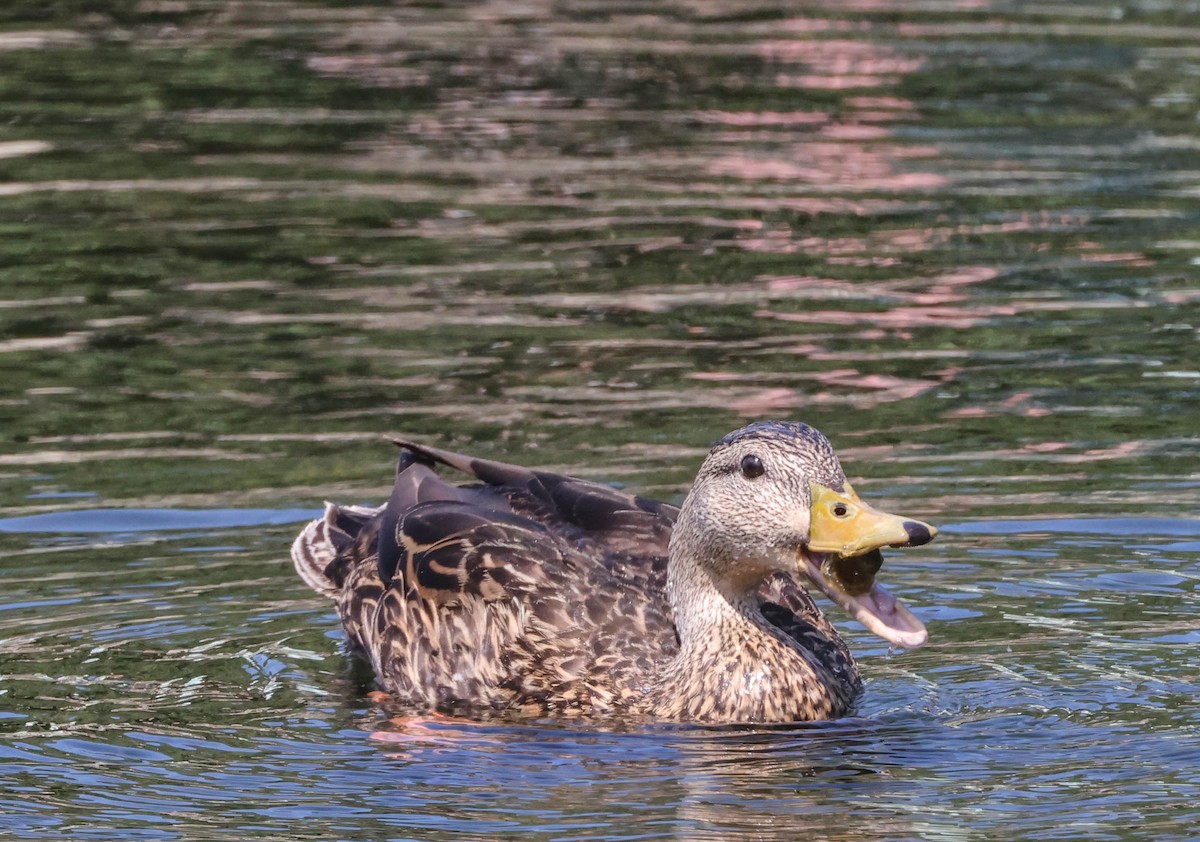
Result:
[{"x": 239, "y": 243}]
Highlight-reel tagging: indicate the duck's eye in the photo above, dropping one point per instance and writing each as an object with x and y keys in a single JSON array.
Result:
[
  {"x": 840, "y": 510},
  {"x": 752, "y": 467}
]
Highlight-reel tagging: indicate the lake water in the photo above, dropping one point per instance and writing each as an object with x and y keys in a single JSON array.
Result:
[{"x": 240, "y": 242}]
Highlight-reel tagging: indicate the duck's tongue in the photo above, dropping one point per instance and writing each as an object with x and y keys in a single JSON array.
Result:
[
  {"x": 881, "y": 613},
  {"x": 842, "y": 557}
]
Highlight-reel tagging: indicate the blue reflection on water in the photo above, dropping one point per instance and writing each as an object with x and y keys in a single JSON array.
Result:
[
  {"x": 152, "y": 520},
  {"x": 1087, "y": 526}
]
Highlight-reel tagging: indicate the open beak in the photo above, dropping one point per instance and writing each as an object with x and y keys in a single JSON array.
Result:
[{"x": 842, "y": 557}]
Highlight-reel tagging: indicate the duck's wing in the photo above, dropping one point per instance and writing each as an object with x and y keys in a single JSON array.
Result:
[{"x": 629, "y": 532}]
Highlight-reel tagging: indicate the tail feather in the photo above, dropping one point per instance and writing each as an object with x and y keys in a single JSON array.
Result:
[
  {"x": 319, "y": 543},
  {"x": 485, "y": 470}
]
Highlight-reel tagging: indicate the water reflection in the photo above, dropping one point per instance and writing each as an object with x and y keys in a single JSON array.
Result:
[
  {"x": 690, "y": 783},
  {"x": 242, "y": 243}
]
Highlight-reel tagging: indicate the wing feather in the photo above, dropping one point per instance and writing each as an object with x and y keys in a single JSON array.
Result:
[
  {"x": 450, "y": 550},
  {"x": 616, "y": 523}
]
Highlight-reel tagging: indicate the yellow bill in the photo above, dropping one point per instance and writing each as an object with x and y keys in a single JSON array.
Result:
[
  {"x": 841, "y": 523},
  {"x": 842, "y": 557}
]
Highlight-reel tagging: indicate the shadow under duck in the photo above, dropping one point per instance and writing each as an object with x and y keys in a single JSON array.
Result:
[{"x": 542, "y": 594}]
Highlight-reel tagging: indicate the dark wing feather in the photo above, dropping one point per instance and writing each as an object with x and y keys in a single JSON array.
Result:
[
  {"x": 416, "y": 484},
  {"x": 453, "y": 549},
  {"x": 614, "y": 522}
]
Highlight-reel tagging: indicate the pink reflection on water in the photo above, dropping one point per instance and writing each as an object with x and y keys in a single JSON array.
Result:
[
  {"x": 899, "y": 317},
  {"x": 850, "y": 152},
  {"x": 836, "y": 58},
  {"x": 1132, "y": 258},
  {"x": 756, "y": 119},
  {"x": 833, "y": 83},
  {"x": 1125, "y": 448},
  {"x": 932, "y": 295},
  {"x": 1056, "y": 452},
  {"x": 810, "y": 25},
  {"x": 1015, "y": 404},
  {"x": 854, "y": 131},
  {"x": 1047, "y": 446},
  {"x": 898, "y": 388},
  {"x": 837, "y": 387},
  {"x": 849, "y": 167},
  {"x": 765, "y": 401}
]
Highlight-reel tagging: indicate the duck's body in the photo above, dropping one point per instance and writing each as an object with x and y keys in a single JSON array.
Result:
[{"x": 543, "y": 594}]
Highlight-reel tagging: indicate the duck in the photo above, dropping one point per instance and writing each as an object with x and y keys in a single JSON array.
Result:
[{"x": 529, "y": 593}]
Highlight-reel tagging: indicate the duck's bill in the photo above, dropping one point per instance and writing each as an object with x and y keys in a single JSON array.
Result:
[{"x": 842, "y": 557}]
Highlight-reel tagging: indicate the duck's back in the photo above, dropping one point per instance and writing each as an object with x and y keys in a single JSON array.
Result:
[{"x": 528, "y": 590}]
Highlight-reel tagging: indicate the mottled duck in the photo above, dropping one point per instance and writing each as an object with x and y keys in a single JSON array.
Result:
[{"x": 535, "y": 593}]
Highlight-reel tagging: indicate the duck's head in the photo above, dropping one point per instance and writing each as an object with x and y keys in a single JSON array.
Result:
[{"x": 773, "y": 497}]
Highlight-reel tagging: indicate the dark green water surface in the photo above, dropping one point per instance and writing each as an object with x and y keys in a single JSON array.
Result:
[{"x": 240, "y": 241}]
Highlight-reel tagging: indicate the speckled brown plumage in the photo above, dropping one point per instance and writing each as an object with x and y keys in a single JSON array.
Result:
[{"x": 539, "y": 593}]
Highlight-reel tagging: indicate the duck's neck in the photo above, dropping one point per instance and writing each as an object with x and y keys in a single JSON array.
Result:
[{"x": 736, "y": 666}]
